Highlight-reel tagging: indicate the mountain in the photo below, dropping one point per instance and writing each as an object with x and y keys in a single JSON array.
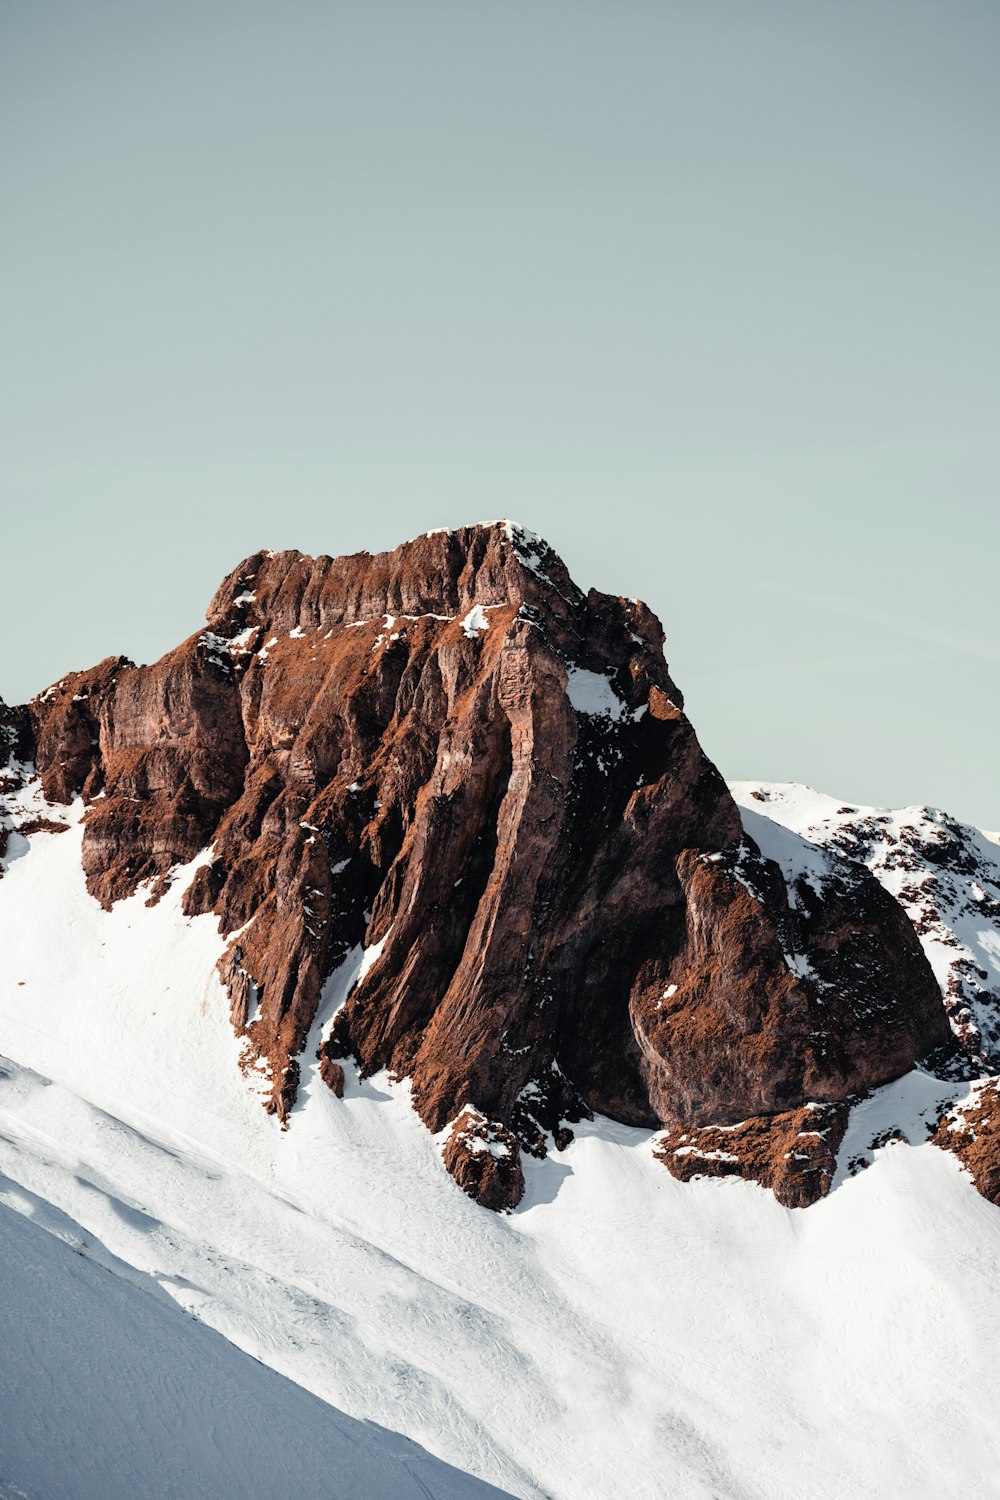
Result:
[
  {"x": 420, "y": 852},
  {"x": 456, "y": 802}
]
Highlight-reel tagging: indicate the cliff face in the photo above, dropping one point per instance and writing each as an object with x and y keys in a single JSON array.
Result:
[{"x": 449, "y": 784}]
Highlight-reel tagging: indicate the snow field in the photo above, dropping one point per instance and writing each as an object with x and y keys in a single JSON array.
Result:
[
  {"x": 620, "y": 1334},
  {"x": 110, "y": 1393}
]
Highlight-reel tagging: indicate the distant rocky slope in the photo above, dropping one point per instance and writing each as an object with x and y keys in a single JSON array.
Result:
[
  {"x": 449, "y": 787},
  {"x": 946, "y": 876}
]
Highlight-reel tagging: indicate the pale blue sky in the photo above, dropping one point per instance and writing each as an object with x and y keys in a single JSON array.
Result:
[{"x": 707, "y": 293}]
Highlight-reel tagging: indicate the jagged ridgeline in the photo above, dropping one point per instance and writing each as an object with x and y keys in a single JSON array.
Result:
[{"x": 455, "y": 802}]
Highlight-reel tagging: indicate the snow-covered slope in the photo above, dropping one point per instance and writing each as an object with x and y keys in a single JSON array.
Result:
[
  {"x": 110, "y": 1393},
  {"x": 619, "y": 1334},
  {"x": 945, "y": 874}
]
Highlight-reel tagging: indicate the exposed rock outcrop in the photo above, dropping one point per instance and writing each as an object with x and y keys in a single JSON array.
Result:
[
  {"x": 331, "y": 1073},
  {"x": 971, "y": 1130},
  {"x": 944, "y": 874},
  {"x": 485, "y": 1160},
  {"x": 794, "y": 1153},
  {"x": 453, "y": 756}
]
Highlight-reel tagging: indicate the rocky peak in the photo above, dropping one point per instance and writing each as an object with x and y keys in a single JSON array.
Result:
[
  {"x": 458, "y": 826},
  {"x": 443, "y": 573}
]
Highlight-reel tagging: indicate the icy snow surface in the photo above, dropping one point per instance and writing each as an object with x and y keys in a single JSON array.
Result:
[
  {"x": 592, "y": 693},
  {"x": 620, "y": 1335},
  {"x": 475, "y": 621}
]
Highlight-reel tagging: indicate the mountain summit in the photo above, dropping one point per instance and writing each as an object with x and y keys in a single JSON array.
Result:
[{"x": 450, "y": 814}]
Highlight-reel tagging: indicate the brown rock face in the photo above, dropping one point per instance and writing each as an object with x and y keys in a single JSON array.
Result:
[
  {"x": 65, "y": 724},
  {"x": 485, "y": 1161},
  {"x": 849, "y": 998},
  {"x": 452, "y": 756},
  {"x": 972, "y": 1132},
  {"x": 794, "y": 1153},
  {"x": 331, "y": 1073}
]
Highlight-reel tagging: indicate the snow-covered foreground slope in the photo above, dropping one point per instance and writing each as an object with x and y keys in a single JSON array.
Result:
[
  {"x": 620, "y": 1334},
  {"x": 109, "y": 1393}
]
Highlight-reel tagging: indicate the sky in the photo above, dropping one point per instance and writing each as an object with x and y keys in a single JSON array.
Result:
[{"x": 706, "y": 293}]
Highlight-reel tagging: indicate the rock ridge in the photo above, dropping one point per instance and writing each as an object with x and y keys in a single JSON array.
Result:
[{"x": 458, "y": 818}]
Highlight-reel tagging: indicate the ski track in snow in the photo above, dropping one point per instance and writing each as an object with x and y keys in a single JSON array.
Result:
[{"x": 620, "y": 1334}]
